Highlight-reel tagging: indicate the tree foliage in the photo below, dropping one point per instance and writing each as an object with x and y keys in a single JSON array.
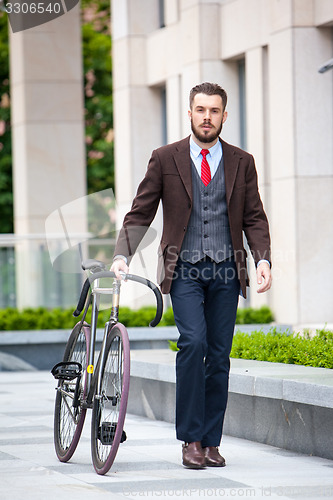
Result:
[
  {"x": 97, "y": 66},
  {"x": 6, "y": 190}
]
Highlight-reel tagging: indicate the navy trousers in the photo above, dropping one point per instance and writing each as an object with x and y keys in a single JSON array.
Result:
[{"x": 204, "y": 300}]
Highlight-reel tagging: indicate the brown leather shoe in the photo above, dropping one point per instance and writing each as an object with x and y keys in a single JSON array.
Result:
[
  {"x": 213, "y": 457},
  {"x": 193, "y": 456}
]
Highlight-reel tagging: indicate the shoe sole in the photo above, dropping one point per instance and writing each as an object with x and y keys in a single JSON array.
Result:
[
  {"x": 216, "y": 465},
  {"x": 194, "y": 466}
]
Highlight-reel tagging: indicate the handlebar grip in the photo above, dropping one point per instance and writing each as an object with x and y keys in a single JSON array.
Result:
[
  {"x": 157, "y": 293},
  {"x": 130, "y": 277},
  {"x": 82, "y": 299}
]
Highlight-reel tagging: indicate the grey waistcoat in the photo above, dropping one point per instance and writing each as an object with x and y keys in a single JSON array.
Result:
[{"x": 208, "y": 231}]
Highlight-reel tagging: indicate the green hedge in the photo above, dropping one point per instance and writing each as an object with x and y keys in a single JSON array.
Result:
[
  {"x": 249, "y": 315},
  {"x": 280, "y": 347},
  {"x": 286, "y": 348},
  {"x": 36, "y": 319},
  {"x": 44, "y": 319}
]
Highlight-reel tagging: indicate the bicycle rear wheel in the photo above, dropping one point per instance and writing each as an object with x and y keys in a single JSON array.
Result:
[
  {"x": 69, "y": 415},
  {"x": 110, "y": 405}
]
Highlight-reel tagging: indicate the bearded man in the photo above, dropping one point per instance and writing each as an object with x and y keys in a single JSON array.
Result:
[{"x": 209, "y": 194}]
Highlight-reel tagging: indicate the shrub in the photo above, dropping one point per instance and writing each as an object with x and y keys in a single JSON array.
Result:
[
  {"x": 36, "y": 319},
  {"x": 280, "y": 347},
  {"x": 168, "y": 318},
  {"x": 42, "y": 318},
  {"x": 173, "y": 345},
  {"x": 141, "y": 317},
  {"x": 249, "y": 315}
]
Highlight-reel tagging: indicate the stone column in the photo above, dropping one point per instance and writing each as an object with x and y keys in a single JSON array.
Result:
[
  {"x": 48, "y": 137},
  {"x": 137, "y": 124},
  {"x": 257, "y": 144},
  {"x": 302, "y": 177}
]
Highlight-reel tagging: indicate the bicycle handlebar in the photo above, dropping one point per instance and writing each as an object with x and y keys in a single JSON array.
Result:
[{"x": 130, "y": 277}]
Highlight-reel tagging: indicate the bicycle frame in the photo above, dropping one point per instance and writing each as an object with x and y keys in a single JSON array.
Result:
[
  {"x": 103, "y": 386},
  {"x": 94, "y": 376},
  {"x": 94, "y": 370}
]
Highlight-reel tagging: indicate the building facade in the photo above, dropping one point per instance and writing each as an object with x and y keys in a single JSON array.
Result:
[
  {"x": 49, "y": 170},
  {"x": 266, "y": 54}
]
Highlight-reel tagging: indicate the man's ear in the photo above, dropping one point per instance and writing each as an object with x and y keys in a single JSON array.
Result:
[
  {"x": 225, "y": 116},
  {"x": 189, "y": 113}
]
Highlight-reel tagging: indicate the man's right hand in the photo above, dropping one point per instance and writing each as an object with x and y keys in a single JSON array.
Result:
[{"x": 119, "y": 266}]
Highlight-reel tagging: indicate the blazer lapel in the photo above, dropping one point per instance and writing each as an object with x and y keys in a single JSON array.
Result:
[
  {"x": 183, "y": 163},
  {"x": 231, "y": 161}
]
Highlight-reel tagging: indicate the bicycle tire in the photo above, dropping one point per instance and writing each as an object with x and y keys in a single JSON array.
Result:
[
  {"x": 68, "y": 421},
  {"x": 109, "y": 408}
]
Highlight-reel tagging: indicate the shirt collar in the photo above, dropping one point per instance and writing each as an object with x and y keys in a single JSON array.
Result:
[{"x": 196, "y": 150}]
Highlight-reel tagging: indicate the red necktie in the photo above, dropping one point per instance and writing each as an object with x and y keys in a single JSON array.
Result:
[{"x": 205, "y": 170}]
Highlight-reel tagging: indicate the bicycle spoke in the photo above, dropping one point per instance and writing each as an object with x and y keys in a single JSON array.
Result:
[
  {"x": 110, "y": 389},
  {"x": 110, "y": 404},
  {"x": 69, "y": 419}
]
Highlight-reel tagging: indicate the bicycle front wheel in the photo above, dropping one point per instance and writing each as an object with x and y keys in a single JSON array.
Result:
[
  {"x": 69, "y": 415},
  {"x": 110, "y": 405}
]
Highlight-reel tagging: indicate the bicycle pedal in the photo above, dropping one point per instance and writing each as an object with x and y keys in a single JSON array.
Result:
[
  {"x": 123, "y": 437},
  {"x": 107, "y": 432},
  {"x": 67, "y": 370}
]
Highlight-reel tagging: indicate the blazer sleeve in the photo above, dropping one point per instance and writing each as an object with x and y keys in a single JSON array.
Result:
[
  {"x": 255, "y": 223},
  {"x": 143, "y": 210}
]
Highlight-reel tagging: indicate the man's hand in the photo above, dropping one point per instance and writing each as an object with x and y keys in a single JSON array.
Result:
[
  {"x": 264, "y": 277},
  {"x": 119, "y": 266}
]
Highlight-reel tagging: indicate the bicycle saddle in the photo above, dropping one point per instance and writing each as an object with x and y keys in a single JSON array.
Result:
[{"x": 93, "y": 265}]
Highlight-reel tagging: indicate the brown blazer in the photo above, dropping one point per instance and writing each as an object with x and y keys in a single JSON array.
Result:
[{"x": 169, "y": 179}]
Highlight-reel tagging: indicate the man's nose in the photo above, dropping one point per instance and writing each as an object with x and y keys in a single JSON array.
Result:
[{"x": 207, "y": 115}]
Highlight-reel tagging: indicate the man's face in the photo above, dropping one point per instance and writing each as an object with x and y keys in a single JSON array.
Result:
[{"x": 207, "y": 118}]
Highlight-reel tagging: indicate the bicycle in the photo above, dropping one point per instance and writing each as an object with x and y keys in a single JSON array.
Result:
[{"x": 101, "y": 383}]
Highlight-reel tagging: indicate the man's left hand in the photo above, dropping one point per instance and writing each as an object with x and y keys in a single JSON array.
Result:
[{"x": 264, "y": 277}]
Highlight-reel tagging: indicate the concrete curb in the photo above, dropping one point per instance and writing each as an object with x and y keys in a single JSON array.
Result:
[
  {"x": 44, "y": 348},
  {"x": 288, "y": 406}
]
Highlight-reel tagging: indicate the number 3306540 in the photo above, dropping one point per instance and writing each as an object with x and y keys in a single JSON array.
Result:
[{"x": 33, "y": 8}]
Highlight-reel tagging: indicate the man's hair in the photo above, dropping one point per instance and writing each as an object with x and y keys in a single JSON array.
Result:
[{"x": 209, "y": 89}]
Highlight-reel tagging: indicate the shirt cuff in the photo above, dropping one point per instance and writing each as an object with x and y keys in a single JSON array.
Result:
[
  {"x": 263, "y": 260},
  {"x": 117, "y": 257}
]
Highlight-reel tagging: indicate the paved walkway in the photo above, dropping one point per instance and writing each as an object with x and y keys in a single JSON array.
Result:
[{"x": 148, "y": 464}]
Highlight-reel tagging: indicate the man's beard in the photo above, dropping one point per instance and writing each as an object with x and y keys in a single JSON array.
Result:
[{"x": 208, "y": 136}]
